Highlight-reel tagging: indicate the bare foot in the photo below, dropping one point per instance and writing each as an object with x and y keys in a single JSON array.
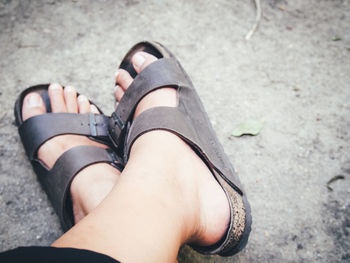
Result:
[
  {"x": 99, "y": 179},
  {"x": 211, "y": 201}
]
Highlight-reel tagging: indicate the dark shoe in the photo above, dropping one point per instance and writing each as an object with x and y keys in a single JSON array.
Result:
[
  {"x": 190, "y": 122},
  {"x": 40, "y": 128}
]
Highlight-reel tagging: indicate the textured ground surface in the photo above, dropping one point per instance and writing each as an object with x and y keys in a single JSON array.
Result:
[{"x": 291, "y": 75}]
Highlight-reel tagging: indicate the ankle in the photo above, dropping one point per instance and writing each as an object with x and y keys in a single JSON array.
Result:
[
  {"x": 215, "y": 215},
  {"x": 99, "y": 179},
  {"x": 177, "y": 179},
  {"x": 204, "y": 205}
]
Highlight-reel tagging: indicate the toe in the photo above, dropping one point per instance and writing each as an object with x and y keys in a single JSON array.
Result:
[
  {"x": 83, "y": 104},
  {"x": 123, "y": 79},
  {"x": 141, "y": 60},
  {"x": 70, "y": 96},
  {"x": 33, "y": 105},
  {"x": 118, "y": 92},
  {"x": 58, "y": 103}
]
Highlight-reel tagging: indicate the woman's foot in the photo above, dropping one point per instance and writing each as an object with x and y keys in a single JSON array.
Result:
[
  {"x": 207, "y": 209},
  {"x": 98, "y": 179}
]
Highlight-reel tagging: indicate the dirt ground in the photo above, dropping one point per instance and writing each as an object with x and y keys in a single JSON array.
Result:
[{"x": 293, "y": 75}]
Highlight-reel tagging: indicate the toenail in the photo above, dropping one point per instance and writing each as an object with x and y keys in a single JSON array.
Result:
[
  {"x": 34, "y": 100},
  {"x": 55, "y": 86},
  {"x": 138, "y": 60},
  {"x": 82, "y": 98},
  {"x": 94, "y": 109},
  {"x": 116, "y": 74},
  {"x": 117, "y": 88},
  {"x": 69, "y": 89}
]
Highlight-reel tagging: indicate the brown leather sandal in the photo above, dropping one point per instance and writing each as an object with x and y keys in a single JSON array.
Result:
[
  {"x": 190, "y": 122},
  {"x": 38, "y": 129}
]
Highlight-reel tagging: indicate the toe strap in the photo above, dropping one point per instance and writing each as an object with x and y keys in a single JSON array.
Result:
[
  {"x": 38, "y": 129},
  {"x": 56, "y": 182}
]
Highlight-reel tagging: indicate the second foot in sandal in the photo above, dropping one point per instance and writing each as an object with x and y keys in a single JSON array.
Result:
[
  {"x": 64, "y": 135},
  {"x": 154, "y": 93},
  {"x": 213, "y": 199}
]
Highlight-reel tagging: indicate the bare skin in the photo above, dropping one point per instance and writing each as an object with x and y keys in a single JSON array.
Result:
[{"x": 165, "y": 197}]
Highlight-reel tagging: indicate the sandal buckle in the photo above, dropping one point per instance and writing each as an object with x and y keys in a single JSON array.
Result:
[
  {"x": 117, "y": 121},
  {"x": 115, "y": 160}
]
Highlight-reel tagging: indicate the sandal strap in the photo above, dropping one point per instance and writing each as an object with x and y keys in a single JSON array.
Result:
[
  {"x": 160, "y": 118},
  {"x": 161, "y": 73},
  {"x": 38, "y": 129},
  {"x": 56, "y": 181},
  {"x": 173, "y": 120}
]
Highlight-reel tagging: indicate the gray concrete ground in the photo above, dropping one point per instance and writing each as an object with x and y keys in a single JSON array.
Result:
[{"x": 292, "y": 75}]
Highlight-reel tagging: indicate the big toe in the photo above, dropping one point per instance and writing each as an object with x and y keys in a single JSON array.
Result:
[
  {"x": 123, "y": 79},
  {"x": 33, "y": 105},
  {"x": 141, "y": 60}
]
